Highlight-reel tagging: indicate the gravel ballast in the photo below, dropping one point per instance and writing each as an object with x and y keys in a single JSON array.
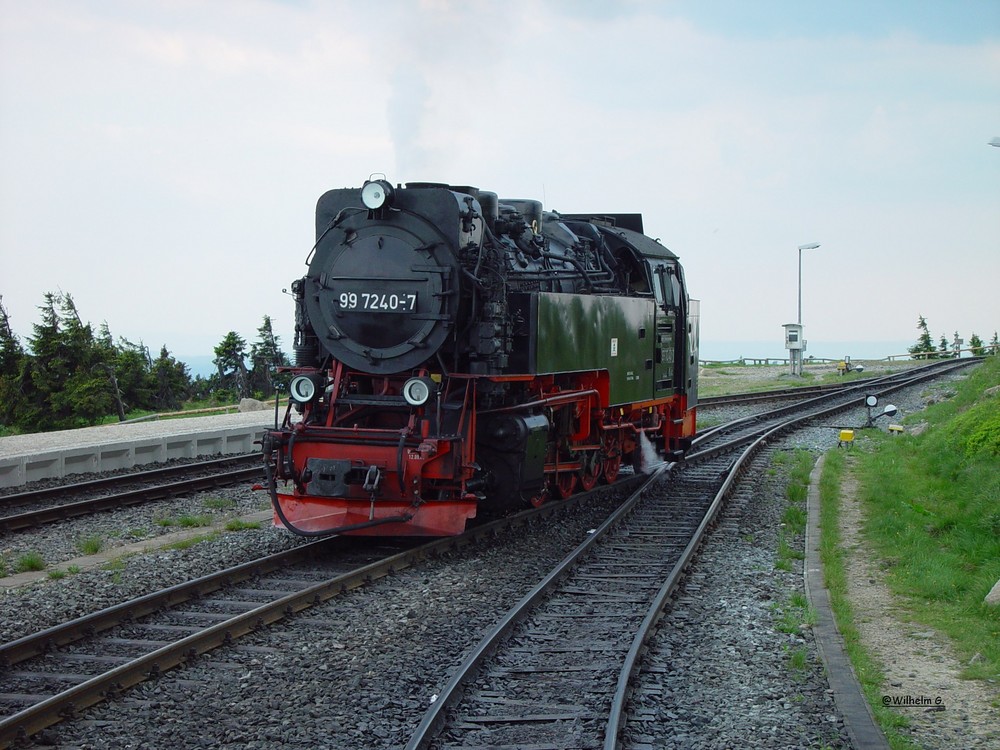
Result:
[{"x": 359, "y": 671}]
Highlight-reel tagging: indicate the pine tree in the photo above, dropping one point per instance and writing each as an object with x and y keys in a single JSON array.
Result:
[
  {"x": 64, "y": 385},
  {"x": 87, "y": 395},
  {"x": 230, "y": 358},
  {"x": 173, "y": 382},
  {"x": 12, "y": 356},
  {"x": 942, "y": 349},
  {"x": 976, "y": 345},
  {"x": 994, "y": 345},
  {"x": 924, "y": 348},
  {"x": 266, "y": 356},
  {"x": 134, "y": 374}
]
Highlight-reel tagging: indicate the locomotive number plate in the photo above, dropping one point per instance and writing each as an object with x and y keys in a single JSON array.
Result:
[{"x": 384, "y": 302}]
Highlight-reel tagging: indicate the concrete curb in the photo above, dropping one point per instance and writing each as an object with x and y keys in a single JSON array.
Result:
[
  {"x": 137, "y": 548},
  {"x": 124, "y": 445},
  {"x": 858, "y": 718}
]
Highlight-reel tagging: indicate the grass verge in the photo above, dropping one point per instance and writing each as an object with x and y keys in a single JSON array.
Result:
[
  {"x": 793, "y": 521},
  {"x": 933, "y": 517},
  {"x": 932, "y": 505},
  {"x": 866, "y": 668}
]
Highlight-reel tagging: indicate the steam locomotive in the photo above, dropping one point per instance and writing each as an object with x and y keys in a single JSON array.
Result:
[{"x": 457, "y": 351}]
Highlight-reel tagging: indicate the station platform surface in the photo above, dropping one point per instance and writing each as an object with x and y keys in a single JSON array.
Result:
[{"x": 48, "y": 455}]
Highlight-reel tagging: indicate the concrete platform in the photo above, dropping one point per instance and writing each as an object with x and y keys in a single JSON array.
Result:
[{"x": 52, "y": 455}]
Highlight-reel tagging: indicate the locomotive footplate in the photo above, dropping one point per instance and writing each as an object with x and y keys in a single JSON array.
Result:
[{"x": 381, "y": 490}]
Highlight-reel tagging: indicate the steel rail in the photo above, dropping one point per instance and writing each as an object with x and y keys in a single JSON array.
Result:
[
  {"x": 771, "y": 395},
  {"x": 451, "y": 693},
  {"x": 49, "y": 711},
  {"x": 813, "y": 390},
  {"x": 630, "y": 666},
  {"x": 53, "y": 513},
  {"x": 45, "y": 713},
  {"x": 103, "y": 483},
  {"x": 35, "y": 718},
  {"x": 877, "y": 387},
  {"x": 66, "y": 633}
]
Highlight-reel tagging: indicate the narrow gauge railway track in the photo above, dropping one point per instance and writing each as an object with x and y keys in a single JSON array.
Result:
[
  {"x": 778, "y": 394},
  {"x": 850, "y": 395},
  {"x": 54, "y": 674},
  {"x": 557, "y": 670},
  {"x": 25, "y": 510},
  {"x": 782, "y": 394}
]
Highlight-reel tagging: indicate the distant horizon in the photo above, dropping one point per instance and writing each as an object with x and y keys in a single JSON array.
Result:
[{"x": 709, "y": 351}]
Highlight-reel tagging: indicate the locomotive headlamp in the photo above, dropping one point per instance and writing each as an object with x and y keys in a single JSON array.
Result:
[
  {"x": 376, "y": 193},
  {"x": 417, "y": 391},
  {"x": 304, "y": 388}
]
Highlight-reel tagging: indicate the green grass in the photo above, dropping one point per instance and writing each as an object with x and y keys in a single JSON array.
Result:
[
  {"x": 933, "y": 517},
  {"x": 705, "y": 422},
  {"x": 90, "y": 545},
  {"x": 793, "y": 615},
  {"x": 188, "y": 406},
  {"x": 237, "y": 525},
  {"x": 116, "y": 567},
  {"x": 29, "y": 561},
  {"x": 798, "y": 464},
  {"x": 866, "y": 668},
  {"x": 117, "y": 564},
  {"x": 191, "y": 522},
  {"x": 798, "y": 658}
]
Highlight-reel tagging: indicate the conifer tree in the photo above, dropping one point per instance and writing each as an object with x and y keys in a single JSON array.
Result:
[
  {"x": 924, "y": 348},
  {"x": 65, "y": 385},
  {"x": 976, "y": 345},
  {"x": 266, "y": 356},
  {"x": 230, "y": 358},
  {"x": 12, "y": 356},
  {"x": 173, "y": 382}
]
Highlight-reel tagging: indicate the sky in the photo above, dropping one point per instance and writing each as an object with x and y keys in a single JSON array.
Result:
[{"x": 161, "y": 161}]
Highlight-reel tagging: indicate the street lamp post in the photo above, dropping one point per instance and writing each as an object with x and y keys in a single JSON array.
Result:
[
  {"x": 810, "y": 246},
  {"x": 797, "y": 365}
]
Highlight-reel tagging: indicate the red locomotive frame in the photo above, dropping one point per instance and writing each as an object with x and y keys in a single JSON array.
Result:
[{"x": 422, "y": 481}]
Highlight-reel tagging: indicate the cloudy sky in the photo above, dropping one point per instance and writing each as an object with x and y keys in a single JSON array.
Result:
[{"x": 161, "y": 160}]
